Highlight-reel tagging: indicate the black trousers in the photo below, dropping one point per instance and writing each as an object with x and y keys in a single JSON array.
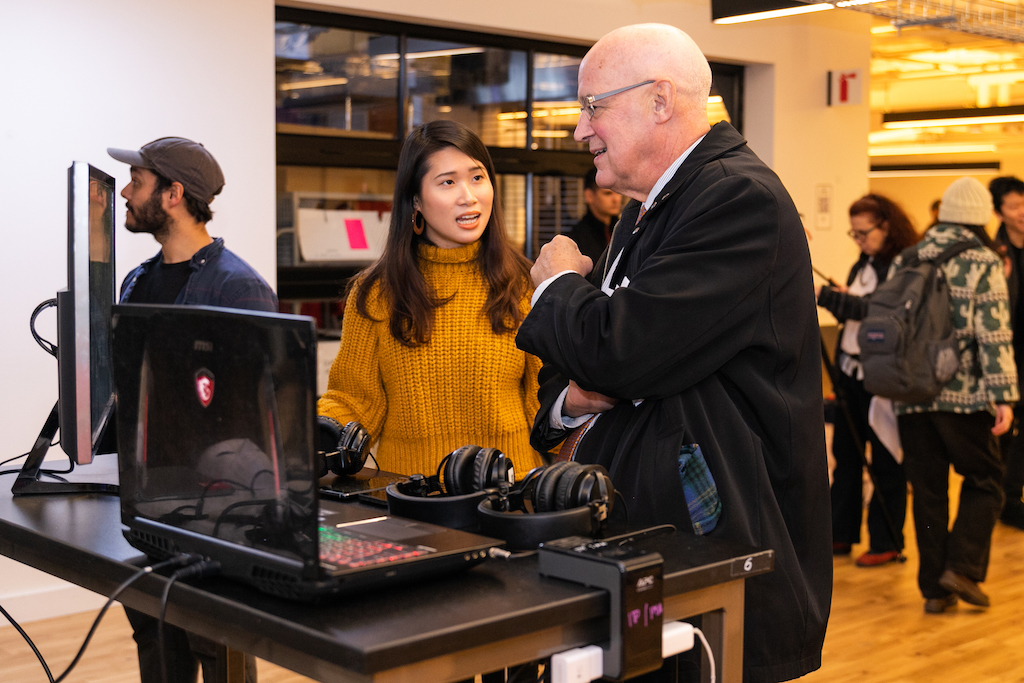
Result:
[
  {"x": 185, "y": 652},
  {"x": 931, "y": 443},
  {"x": 1012, "y": 446},
  {"x": 847, "y": 479}
]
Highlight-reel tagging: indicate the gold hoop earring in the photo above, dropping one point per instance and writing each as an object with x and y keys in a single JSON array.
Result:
[{"x": 417, "y": 224}]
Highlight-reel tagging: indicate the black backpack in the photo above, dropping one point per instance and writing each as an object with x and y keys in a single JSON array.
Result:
[{"x": 907, "y": 344}]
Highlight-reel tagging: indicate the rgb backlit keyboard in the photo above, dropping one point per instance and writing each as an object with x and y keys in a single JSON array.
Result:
[{"x": 346, "y": 549}]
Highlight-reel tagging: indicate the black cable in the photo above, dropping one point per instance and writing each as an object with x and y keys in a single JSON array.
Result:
[
  {"x": 96, "y": 622},
  {"x": 28, "y": 640},
  {"x": 113, "y": 596},
  {"x": 47, "y": 346},
  {"x": 47, "y": 472},
  {"x": 502, "y": 554},
  {"x": 201, "y": 568}
]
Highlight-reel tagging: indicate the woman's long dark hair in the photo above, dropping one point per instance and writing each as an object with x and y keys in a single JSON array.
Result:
[
  {"x": 411, "y": 300},
  {"x": 884, "y": 210}
]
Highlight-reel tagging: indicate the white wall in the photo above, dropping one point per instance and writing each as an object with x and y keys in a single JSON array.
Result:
[{"x": 84, "y": 75}]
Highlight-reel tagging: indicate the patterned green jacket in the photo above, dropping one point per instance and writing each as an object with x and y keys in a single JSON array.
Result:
[{"x": 981, "y": 318}]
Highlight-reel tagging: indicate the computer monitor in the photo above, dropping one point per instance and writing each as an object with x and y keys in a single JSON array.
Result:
[{"x": 85, "y": 406}]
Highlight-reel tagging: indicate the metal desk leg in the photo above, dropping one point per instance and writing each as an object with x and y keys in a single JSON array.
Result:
[
  {"x": 230, "y": 665},
  {"x": 721, "y": 608}
]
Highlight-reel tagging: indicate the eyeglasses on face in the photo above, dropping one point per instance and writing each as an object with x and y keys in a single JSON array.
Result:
[
  {"x": 587, "y": 101},
  {"x": 862, "y": 234}
]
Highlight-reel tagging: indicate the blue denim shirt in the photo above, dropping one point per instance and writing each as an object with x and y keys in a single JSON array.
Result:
[{"x": 219, "y": 278}]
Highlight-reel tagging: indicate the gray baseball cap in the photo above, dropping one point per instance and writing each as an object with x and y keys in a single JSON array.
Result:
[{"x": 179, "y": 160}]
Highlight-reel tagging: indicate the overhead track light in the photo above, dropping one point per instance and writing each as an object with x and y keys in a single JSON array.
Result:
[
  {"x": 740, "y": 11},
  {"x": 945, "y": 118}
]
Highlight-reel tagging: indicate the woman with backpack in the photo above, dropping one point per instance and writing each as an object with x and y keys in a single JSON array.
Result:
[
  {"x": 882, "y": 230},
  {"x": 958, "y": 427}
]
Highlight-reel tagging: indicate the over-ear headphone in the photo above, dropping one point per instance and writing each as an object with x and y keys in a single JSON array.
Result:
[
  {"x": 567, "y": 499},
  {"x": 341, "y": 450},
  {"x": 451, "y": 495}
]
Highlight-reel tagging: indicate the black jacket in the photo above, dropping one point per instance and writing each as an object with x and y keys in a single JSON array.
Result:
[
  {"x": 845, "y": 306},
  {"x": 717, "y": 333}
]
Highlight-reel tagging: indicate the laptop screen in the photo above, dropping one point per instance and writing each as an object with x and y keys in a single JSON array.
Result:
[{"x": 216, "y": 409}]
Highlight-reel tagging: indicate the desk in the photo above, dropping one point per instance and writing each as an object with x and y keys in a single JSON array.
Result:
[{"x": 498, "y": 614}]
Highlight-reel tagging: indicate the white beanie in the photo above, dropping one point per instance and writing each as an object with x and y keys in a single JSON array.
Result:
[{"x": 967, "y": 202}]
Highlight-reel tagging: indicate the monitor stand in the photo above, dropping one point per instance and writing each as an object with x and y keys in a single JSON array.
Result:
[{"x": 28, "y": 482}]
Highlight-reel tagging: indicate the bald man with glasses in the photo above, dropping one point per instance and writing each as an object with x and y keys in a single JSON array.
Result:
[{"x": 687, "y": 360}]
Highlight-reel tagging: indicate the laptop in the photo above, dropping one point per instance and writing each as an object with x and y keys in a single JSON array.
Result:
[{"x": 216, "y": 417}]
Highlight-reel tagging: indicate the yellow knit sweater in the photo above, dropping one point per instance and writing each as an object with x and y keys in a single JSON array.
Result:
[{"x": 467, "y": 385}]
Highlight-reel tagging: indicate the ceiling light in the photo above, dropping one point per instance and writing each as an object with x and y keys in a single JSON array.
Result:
[
  {"x": 393, "y": 56},
  {"x": 879, "y": 137},
  {"x": 318, "y": 83},
  {"x": 775, "y": 13},
  {"x": 931, "y": 170},
  {"x": 931, "y": 148},
  {"x": 943, "y": 118},
  {"x": 550, "y": 133}
]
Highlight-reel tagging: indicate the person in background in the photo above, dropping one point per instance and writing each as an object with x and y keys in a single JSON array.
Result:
[
  {"x": 593, "y": 232},
  {"x": 428, "y": 361},
  {"x": 934, "y": 211},
  {"x": 1008, "y": 203},
  {"x": 689, "y": 360},
  {"x": 959, "y": 426},
  {"x": 173, "y": 181},
  {"x": 882, "y": 230}
]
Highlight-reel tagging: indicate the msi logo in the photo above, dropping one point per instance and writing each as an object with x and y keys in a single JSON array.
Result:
[{"x": 204, "y": 387}]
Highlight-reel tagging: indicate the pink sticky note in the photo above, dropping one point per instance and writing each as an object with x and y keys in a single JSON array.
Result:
[{"x": 356, "y": 233}]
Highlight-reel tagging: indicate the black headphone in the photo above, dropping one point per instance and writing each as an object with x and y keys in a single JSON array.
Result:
[
  {"x": 341, "y": 450},
  {"x": 450, "y": 497},
  {"x": 566, "y": 499}
]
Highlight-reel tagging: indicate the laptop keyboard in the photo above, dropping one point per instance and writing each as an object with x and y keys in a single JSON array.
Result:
[{"x": 346, "y": 549}]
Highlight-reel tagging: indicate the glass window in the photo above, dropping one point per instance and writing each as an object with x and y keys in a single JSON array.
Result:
[
  {"x": 333, "y": 81},
  {"x": 557, "y": 206},
  {"x": 467, "y": 83},
  {"x": 512, "y": 189},
  {"x": 346, "y": 99},
  {"x": 555, "y": 106}
]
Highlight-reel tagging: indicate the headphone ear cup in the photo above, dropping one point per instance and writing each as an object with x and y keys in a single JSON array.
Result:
[
  {"x": 490, "y": 469},
  {"x": 546, "y": 487},
  {"x": 590, "y": 485},
  {"x": 328, "y": 435},
  {"x": 458, "y": 471},
  {"x": 351, "y": 446},
  {"x": 568, "y": 482}
]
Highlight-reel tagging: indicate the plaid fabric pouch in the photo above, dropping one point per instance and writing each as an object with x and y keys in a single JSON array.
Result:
[{"x": 699, "y": 488}]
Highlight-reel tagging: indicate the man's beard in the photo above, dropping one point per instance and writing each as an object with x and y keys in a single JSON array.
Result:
[{"x": 150, "y": 217}]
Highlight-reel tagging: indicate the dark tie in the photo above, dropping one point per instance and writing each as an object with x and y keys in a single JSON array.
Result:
[{"x": 643, "y": 210}]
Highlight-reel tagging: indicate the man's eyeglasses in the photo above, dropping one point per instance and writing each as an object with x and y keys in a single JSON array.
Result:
[
  {"x": 862, "y": 235},
  {"x": 587, "y": 102}
]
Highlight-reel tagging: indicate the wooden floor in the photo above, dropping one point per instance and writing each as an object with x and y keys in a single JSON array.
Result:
[{"x": 878, "y": 632}]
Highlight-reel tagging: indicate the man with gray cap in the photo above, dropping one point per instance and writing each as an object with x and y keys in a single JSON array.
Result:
[
  {"x": 958, "y": 427},
  {"x": 173, "y": 182}
]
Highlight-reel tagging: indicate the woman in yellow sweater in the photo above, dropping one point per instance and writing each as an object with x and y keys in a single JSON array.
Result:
[{"x": 428, "y": 360}]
